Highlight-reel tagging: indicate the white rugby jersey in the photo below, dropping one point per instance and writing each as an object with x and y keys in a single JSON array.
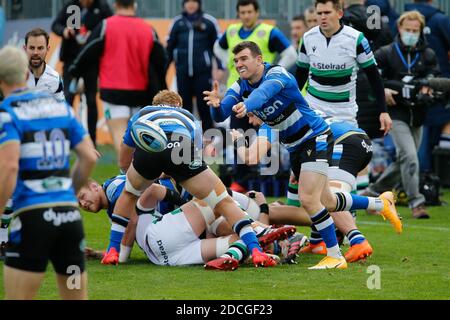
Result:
[
  {"x": 49, "y": 82},
  {"x": 333, "y": 64}
]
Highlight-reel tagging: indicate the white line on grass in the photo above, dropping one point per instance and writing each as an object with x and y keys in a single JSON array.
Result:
[{"x": 405, "y": 226}]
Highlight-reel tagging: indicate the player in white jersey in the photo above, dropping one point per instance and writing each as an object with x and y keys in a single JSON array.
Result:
[
  {"x": 41, "y": 76},
  {"x": 329, "y": 57}
]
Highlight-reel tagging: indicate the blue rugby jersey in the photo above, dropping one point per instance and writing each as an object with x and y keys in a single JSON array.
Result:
[
  {"x": 113, "y": 188},
  {"x": 338, "y": 128},
  {"x": 170, "y": 119},
  {"x": 46, "y": 130},
  {"x": 277, "y": 101}
]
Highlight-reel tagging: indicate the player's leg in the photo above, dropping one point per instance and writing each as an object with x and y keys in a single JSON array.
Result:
[
  {"x": 72, "y": 287},
  {"x": 209, "y": 188},
  {"x": 27, "y": 254},
  {"x": 67, "y": 256},
  {"x": 310, "y": 166},
  {"x": 135, "y": 185},
  {"x": 224, "y": 253},
  {"x": 21, "y": 284},
  {"x": 116, "y": 119}
]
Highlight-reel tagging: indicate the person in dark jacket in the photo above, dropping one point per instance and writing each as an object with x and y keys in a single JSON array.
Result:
[
  {"x": 388, "y": 14},
  {"x": 73, "y": 40},
  {"x": 407, "y": 57},
  {"x": 437, "y": 122},
  {"x": 190, "y": 46}
]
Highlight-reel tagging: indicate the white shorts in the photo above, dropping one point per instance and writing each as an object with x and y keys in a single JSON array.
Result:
[
  {"x": 115, "y": 111},
  {"x": 170, "y": 241}
]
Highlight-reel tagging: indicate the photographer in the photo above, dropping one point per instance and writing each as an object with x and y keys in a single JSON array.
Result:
[{"x": 407, "y": 58}]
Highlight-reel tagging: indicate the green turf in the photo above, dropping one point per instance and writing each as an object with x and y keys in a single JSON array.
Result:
[{"x": 414, "y": 265}]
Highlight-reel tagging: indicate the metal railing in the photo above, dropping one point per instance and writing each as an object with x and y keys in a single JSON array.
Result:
[{"x": 280, "y": 10}]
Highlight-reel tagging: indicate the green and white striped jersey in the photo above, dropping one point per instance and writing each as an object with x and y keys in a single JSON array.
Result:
[{"x": 333, "y": 64}]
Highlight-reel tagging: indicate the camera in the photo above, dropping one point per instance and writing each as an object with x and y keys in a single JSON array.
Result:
[{"x": 409, "y": 90}]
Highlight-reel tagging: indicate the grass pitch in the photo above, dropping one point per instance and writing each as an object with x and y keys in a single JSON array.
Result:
[{"x": 414, "y": 265}]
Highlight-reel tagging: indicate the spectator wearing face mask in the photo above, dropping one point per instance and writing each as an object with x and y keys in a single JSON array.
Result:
[{"x": 407, "y": 57}]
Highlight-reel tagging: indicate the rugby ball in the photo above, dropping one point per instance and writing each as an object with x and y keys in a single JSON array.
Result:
[{"x": 148, "y": 136}]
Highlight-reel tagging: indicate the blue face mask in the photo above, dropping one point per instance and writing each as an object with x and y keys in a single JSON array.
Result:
[{"x": 410, "y": 39}]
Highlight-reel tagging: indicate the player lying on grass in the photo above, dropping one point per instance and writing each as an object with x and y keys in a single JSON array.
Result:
[
  {"x": 185, "y": 233},
  {"x": 351, "y": 153},
  {"x": 184, "y": 136}
]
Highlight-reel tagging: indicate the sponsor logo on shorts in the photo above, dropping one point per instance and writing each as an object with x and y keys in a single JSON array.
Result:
[
  {"x": 369, "y": 148},
  {"x": 195, "y": 164},
  {"x": 163, "y": 252},
  {"x": 59, "y": 218}
]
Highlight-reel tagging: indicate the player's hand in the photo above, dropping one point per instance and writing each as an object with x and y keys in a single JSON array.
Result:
[
  {"x": 240, "y": 109},
  {"x": 292, "y": 179},
  {"x": 389, "y": 95},
  {"x": 212, "y": 97},
  {"x": 386, "y": 122},
  {"x": 257, "y": 196}
]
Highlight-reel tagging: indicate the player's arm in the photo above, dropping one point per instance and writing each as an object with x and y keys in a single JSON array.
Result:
[
  {"x": 87, "y": 156},
  {"x": 302, "y": 73},
  {"x": 91, "y": 51},
  {"x": 276, "y": 80},
  {"x": 221, "y": 108},
  {"x": 366, "y": 61},
  {"x": 279, "y": 43},
  {"x": 9, "y": 162},
  {"x": 128, "y": 239},
  {"x": 85, "y": 163},
  {"x": 127, "y": 147},
  {"x": 253, "y": 154},
  {"x": 9, "y": 157}
]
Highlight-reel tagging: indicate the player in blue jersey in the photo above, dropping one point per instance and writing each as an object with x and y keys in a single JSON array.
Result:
[
  {"x": 182, "y": 161},
  {"x": 37, "y": 133},
  {"x": 352, "y": 151},
  {"x": 272, "y": 94}
]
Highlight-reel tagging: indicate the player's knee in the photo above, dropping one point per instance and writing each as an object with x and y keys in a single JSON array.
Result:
[
  {"x": 131, "y": 189},
  {"x": 216, "y": 200},
  {"x": 309, "y": 200}
]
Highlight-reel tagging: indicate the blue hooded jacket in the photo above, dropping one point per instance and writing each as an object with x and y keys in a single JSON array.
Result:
[
  {"x": 386, "y": 11},
  {"x": 439, "y": 33}
]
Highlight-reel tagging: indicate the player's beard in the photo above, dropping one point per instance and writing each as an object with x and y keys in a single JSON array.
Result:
[{"x": 36, "y": 63}]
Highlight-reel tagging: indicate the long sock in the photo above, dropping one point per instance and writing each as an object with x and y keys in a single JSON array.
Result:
[
  {"x": 355, "y": 237},
  {"x": 245, "y": 231},
  {"x": 347, "y": 202},
  {"x": 325, "y": 225},
  {"x": 118, "y": 226},
  {"x": 292, "y": 195},
  {"x": 4, "y": 224},
  {"x": 315, "y": 237},
  {"x": 237, "y": 250}
]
